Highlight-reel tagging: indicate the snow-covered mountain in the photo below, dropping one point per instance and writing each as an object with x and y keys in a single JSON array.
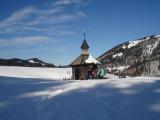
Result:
[
  {"x": 33, "y": 62},
  {"x": 138, "y": 57}
]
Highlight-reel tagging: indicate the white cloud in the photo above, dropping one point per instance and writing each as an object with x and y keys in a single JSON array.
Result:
[
  {"x": 24, "y": 41},
  {"x": 56, "y": 19},
  {"x": 68, "y": 17},
  {"x": 17, "y": 17},
  {"x": 67, "y": 2},
  {"x": 55, "y": 48},
  {"x": 38, "y": 18},
  {"x": 66, "y": 32},
  {"x": 38, "y": 24}
]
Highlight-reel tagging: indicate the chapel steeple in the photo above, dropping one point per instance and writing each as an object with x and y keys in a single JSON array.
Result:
[{"x": 84, "y": 46}]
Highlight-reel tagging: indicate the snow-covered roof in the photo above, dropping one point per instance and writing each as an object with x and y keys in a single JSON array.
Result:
[{"x": 92, "y": 60}]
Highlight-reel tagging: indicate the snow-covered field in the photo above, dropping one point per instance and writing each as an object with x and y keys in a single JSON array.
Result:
[
  {"x": 47, "y": 99},
  {"x": 36, "y": 72}
]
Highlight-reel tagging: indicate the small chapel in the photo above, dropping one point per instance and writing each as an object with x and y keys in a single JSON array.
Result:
[{"x": 83, "y": 62}]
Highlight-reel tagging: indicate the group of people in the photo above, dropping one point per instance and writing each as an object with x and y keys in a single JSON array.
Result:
[{"x": 93, "y": 72}]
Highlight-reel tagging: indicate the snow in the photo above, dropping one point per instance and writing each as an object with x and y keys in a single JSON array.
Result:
[
  {"x": 133, "y": 43},
  {"x": 148, "y": 50},
  {"x": 43, "y": 64},
  {"x": 32, "y": 61},
  {"x": 36, "y": 72},
  {"x": 92, "y": 60},
  {"x": 157, "y": 36},
  {"x": 121, "y": 68},
  {"x": 117, "y": 55},
  {"x": 148, "y": 38},
  {"x": 124, "y": 46},
  {"x": 109, "y": 99}
]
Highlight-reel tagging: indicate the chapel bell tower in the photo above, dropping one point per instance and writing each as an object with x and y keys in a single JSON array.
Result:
[{"x": 84, "y": 46}]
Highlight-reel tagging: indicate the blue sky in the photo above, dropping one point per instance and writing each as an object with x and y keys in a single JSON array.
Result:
[{"x": 52, "y": 30}]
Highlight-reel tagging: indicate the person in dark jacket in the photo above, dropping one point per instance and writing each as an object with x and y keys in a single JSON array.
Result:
[
  {"x": 77, "y": 73},
  {"x": 90, "y": 75}
]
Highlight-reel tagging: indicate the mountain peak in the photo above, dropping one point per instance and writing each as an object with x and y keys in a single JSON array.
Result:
[
  {"x": 137, "y": 53},
  {"x": 33, "y": 62}
]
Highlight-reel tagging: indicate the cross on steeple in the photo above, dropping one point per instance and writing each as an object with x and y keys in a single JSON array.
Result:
[
  {"x": 84, "y": 35},
  {"x": 84, "y": 45}
]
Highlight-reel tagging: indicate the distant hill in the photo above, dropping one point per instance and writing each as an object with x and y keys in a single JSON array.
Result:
[
  {"x": 33, "y": 62},
  {"x": 134, "y": 58}
]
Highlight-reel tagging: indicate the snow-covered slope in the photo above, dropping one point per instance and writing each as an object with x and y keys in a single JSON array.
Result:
[
  {"x": 141, "y": 56},
  {"x": 111, "y": 99},
  {"x": 36, "y": 72}
]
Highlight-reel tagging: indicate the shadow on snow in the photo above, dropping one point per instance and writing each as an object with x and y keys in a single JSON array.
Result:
[{"x": 101, "y": 102}]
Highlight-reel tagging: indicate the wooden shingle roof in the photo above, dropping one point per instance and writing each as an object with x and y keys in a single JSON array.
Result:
[
  {"x": 85, "y": 59},
  {"x": 80, "y": 60},
  {"x": 84, "y": 45}
]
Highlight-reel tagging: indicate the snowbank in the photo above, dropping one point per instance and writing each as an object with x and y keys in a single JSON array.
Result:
[{"x": 36, "y": 72}]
